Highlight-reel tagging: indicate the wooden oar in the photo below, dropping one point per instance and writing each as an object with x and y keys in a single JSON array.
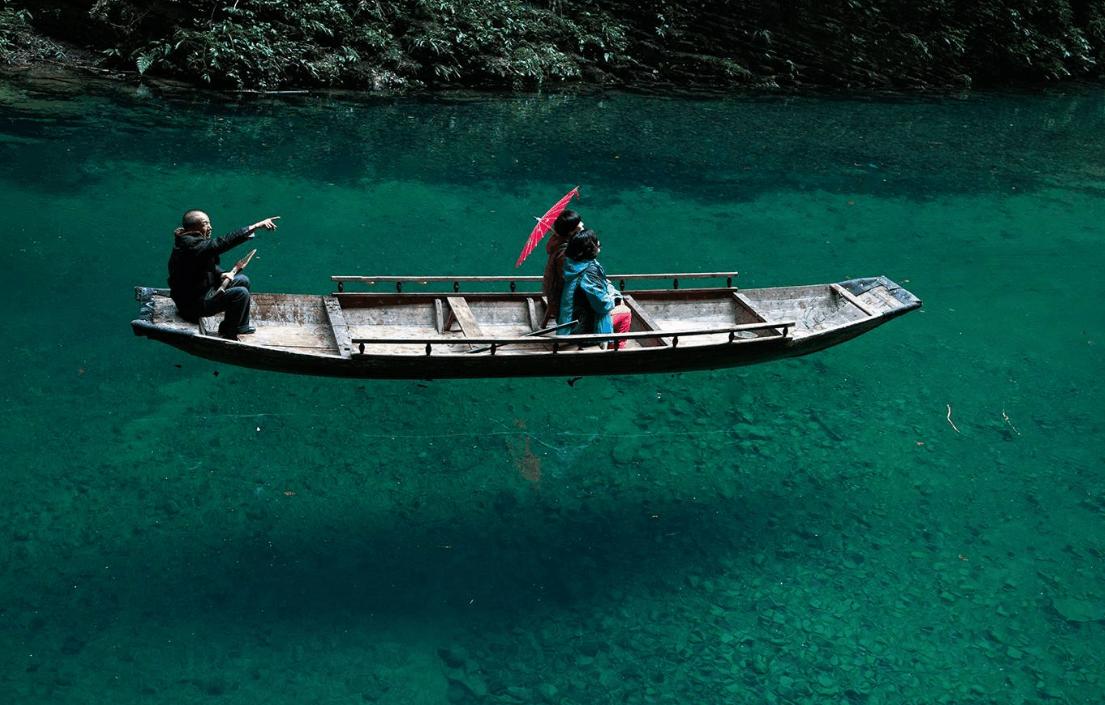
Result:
[
  {"x": 527, "y": 335},
  {"x": 237, "y": 268}
]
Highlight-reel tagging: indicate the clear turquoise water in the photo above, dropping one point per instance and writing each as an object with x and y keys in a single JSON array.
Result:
[{"x": 811, "y": 531}]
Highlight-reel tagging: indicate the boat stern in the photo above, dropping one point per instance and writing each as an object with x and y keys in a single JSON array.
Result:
[{"x": 157, "y": 317}]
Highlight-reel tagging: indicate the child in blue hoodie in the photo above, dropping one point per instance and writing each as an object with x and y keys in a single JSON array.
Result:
[{"x": 588, "y": 296}]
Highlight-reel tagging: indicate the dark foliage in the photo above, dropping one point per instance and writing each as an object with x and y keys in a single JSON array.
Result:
[{"x": 275, "y": 44}]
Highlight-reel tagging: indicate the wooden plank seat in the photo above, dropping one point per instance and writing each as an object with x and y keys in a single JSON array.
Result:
[
  {"x": 644, "y": 322},
  {"x": 749, "y": 311},
  {"x": 531, "y": 309},
  {"x": 851, "y": 298},
  {"x": 745, "y": 312},
  {"x": 337, "y": 323},
  {"x": 462, "y": 315}
]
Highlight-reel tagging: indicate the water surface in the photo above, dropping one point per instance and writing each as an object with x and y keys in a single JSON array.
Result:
[{"x": 915, "y": 516}]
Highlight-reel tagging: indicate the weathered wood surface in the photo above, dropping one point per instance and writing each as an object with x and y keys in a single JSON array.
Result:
[
  {"x": 338, "y": 325},
  {"x": 643, "y": 320},
  {"x": 852, "y": 298},
  {"x": 462, "y": 314},
  {"x": 388, "y": 279}
]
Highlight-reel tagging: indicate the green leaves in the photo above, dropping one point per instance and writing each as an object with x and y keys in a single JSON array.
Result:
[
  {"x": 269, "y": 44},
  {"x": 13, "y": 24},
  {"x": 19, "y": 42},
  {"x": 273, "y": 44}
]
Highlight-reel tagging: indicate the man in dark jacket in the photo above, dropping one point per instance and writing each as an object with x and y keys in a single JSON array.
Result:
[{"x": 196, "y": 280}]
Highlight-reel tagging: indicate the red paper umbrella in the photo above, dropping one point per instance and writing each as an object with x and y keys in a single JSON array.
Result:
[{"x": 543, "y": 224}]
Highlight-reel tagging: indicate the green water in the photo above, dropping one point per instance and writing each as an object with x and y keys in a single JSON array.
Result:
[{"x": 917, "y": 516}]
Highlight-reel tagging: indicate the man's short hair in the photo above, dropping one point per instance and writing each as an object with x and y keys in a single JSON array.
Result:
[{"x": 191, "y": 219}]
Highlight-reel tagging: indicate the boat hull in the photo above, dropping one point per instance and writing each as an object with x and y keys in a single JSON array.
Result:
[{"x": 393, "y": 336}]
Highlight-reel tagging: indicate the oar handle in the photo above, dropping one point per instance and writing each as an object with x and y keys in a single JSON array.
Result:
[
  {"x": 528, "y": 335},
  {"x": 233, "y": 273},
  {"x": 237, "y": 268}
]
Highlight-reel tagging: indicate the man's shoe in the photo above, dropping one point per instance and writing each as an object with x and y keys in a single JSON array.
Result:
[
  {"x": 228, "y": 336},
  {"x": 246, "y": 330}
]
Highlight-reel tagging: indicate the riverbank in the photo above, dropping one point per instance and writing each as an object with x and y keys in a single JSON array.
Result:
[{"x": 514, "y": 45}]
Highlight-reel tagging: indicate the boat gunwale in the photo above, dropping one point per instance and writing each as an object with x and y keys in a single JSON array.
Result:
[
  {"x": 586, "y": 338},
  {"x": 354, "y": 297},
  {"x": 371, "y": 280}
]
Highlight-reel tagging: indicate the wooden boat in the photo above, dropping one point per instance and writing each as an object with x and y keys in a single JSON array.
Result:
[{"x": 448, "y": 333}]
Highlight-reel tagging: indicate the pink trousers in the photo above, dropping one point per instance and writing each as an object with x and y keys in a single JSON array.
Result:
[{"x": 621, "y": 321}]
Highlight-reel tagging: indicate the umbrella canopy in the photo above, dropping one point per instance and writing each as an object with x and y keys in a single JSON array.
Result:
[{"x": 543, "y": 224}]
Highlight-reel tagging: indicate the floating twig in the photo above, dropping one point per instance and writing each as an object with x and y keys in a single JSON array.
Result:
[
  {"x": 950, "y": 418},
  {"x": 1006, "y": 417}
]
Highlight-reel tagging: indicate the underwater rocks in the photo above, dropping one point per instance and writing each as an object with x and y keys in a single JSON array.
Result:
[{"x": 1075, "y": 610}]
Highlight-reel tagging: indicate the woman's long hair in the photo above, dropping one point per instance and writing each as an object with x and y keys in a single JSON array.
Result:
[{"x": 583, "y": 246}]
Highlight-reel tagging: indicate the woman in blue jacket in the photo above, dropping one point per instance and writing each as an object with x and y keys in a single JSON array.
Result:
[{"x": 588, "y": 296}]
